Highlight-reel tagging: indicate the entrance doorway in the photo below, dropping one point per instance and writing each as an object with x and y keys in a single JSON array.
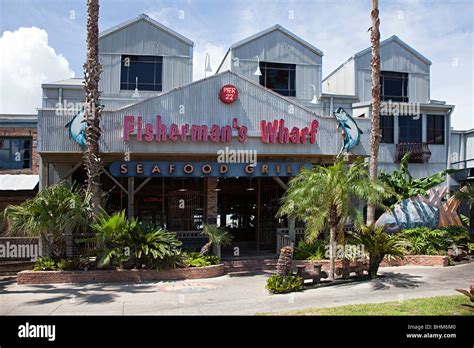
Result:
[{"x": 247, "y": 209}]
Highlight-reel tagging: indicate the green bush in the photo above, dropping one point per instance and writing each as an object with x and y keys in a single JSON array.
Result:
[
  {"x": 426, "y": 241},
  {"x": 311, "y": 251},
  {"x": 129, "y": 244},
  {"x": 68, "y": 264},
  {"x": 45, "y": 263},
  {"x": 279, "y": 285},
  {"x": 194, "y": 259}
]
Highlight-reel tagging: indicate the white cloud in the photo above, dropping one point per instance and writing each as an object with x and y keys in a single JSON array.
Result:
[{"x": 27, "y": 61}]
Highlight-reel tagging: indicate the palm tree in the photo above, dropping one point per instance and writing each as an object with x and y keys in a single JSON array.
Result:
[
  {"x": 322, "y": 197},
  {"x": 92, "y": 70},
  {"x": 375, "y": 130},
  {"x": 377, "y": 244},
  {"x": 55, "y": 211},
  {"x": 217, "y": 237},
  {"x": 467, "y": 194}
]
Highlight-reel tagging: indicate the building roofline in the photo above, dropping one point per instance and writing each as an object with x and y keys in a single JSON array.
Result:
[
  {"x": 151, "y": 21},
  {"x": 284, "y": 31},
  {"x": 222, "y": 61},
  {"x": 296, "y": 104},
  {"x": 393, "y": 38}
]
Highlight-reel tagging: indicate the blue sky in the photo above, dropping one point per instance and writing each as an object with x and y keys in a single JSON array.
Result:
[{"x": 441, "y": 30}]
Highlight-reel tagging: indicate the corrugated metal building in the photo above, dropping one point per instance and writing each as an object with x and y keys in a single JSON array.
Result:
[{"x": 271, "y": 76}]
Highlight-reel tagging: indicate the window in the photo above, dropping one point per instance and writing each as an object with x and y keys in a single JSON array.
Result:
[
  {"x": 409, "y": 129},
  {"x": 15, "y": 153},
  {"x": 435, "y": 129},
  {"x": 394, "y": 86},
  {"x": 386, "y": 129},
  {"x": 279, "y": 78},
  {"x": 146, "y": 69}
]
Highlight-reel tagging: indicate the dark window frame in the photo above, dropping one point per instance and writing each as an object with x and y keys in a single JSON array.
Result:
[
  {"x": 127, "y": 81},
  {"x": 412, "y": 126},
  {"x": 267, "y": 67},
  {"x": 385, "y": 76},
  {"x": 435, "y": 129},
  {"x": 387, "y": 129},
  {"x": 11, "y": 163}
]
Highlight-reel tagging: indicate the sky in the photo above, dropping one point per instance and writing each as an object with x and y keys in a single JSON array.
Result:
[{"x": 44, "y": 40}]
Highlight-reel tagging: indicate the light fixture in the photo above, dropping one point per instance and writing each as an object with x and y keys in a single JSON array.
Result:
[
  {"x": 258, "y": 72},
  {"x": 315, "y": 99},
  {"x": 207, "y": 64},
  {"x": 136, "y": 94},
  {"x": 217, "y": 184},
  {"x": 182, "y": 189},
  {"x": 250, "y": 188}
]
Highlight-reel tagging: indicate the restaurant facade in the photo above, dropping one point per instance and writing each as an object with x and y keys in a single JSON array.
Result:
[{"x": 180, "y": 153}]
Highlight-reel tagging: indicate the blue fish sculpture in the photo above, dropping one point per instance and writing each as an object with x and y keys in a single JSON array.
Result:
[
  {"x": 351, "y": 132},
  {"x": 422, "y": 211},
  {"x": 77, "y": 128}
]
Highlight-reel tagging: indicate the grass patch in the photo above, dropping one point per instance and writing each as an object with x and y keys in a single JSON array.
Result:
[{"x": 440, "y": 305}]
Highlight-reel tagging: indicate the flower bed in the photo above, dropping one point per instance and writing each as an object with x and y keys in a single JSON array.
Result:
[
  {"x": 408, "y": 260},
  {"x": 122, "y": 276}
]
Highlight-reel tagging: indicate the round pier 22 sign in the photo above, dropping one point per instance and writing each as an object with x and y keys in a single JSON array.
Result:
[{"x": 228, "y": 94}]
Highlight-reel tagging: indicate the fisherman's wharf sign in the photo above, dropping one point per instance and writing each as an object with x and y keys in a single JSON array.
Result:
[
  {"x": 273, "y": 132},
  {"x": 205, "y": 168}
]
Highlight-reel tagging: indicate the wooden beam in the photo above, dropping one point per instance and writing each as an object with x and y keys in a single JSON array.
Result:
[
  {"x": 142, "y": 184},
  {"x": 115, "y": 181},
  {"x": 73, "y": 169},
  {"x": 131, "y": 197},
  {"x": 280, "y": 182}
]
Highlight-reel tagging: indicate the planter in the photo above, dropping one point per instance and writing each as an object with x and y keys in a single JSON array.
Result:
[
  {"x": 121, "y": 276},
  {"x": 408, "y": 260}
]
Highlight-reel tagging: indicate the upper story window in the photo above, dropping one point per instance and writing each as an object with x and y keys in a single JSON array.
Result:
[
  {"x": 147, "y": 70},
  {"x": 435, "y": 129},
  {"x": 386, "y": 129},
  {"x": 279, "y": 78},
  {"x": 15, "y": 153},
  {"x": 409, "y": 129},
  {"x": 394, "y": 86}
]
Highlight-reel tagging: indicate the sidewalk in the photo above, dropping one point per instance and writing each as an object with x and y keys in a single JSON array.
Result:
[{"x": 227, "y": 295}]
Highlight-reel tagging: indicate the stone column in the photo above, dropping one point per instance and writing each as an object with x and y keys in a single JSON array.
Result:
[{"x": 211, "y": 208}]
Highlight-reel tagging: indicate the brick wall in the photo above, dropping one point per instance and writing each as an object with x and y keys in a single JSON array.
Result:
[
  {"x": 127, "y": 276},
  {"x": 23, "y": 132}
]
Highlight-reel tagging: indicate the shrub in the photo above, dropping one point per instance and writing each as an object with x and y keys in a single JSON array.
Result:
[
  {"x": 425, "y": 241},
  {"x": 311, "y": 251},
  {"x": 45, "y": 263},
  {"x": 279, "y": 285},
  {"x": 194, "y": 259},
  {"x": 129, "y": 244},
  {"x": 377, "y": 244},
  {"x": 68, "y": 264}
]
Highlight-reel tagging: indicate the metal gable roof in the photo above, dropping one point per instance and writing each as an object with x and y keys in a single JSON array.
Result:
[
  {"x": 149, "y": 20},
  {"x": 278, "y": 27},
  {"x": 288, "y": 100},
  {"x": 395, "y": 38}
]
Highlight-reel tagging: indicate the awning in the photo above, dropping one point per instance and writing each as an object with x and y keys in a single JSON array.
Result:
[{"x": 16, "y": 182}]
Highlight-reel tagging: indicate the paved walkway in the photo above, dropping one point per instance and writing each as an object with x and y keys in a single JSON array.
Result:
[{"x": 231, "y": 295}]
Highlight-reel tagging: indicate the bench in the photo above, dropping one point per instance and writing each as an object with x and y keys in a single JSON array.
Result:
[
  {"x": 347, "y": 269},
  {"x": 315, "y": 275}
]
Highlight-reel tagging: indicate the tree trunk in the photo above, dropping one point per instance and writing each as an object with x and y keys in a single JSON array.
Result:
[
  {"x": 285, "y": 261},
  {"x": 332, "y": 251},
  {"x": 206, "y": 248},
  {"x": 375, "y": 131},
  {"x": 92, "y": 70},
  {"x": 471, "y": 222},
  {"x": 374, "y": 263}
]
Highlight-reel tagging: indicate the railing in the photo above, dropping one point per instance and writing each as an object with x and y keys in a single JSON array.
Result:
[{"x": 419, "y": 152}]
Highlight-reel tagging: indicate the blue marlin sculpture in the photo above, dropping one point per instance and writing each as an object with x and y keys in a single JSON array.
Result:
[
  {"x": 422, "y": 211},
  {"x": 350, "y": 131},
  {"x": 77, "y": 127}
]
